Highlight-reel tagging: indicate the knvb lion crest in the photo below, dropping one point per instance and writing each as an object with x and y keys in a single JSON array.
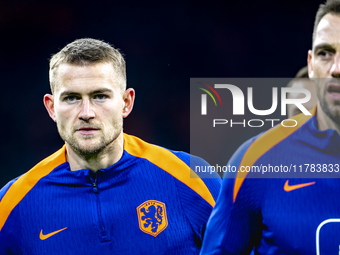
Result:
[{"x": 152, "y": 217}]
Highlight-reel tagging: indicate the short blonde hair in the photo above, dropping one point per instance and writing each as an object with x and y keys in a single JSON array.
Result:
[{"x": 88, "y": 51}]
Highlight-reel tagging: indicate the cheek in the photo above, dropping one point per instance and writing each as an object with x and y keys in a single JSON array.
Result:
[
  {"x": 322, "y": 67},
  {"x": 316, "y": 67},
  {"x": 63, "y": 117},
  {"x": 320, "y": 90},
  {"x": 112, "y": 111}
]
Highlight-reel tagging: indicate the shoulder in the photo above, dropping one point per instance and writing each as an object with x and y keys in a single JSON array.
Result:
[
  {"x": 178, "y": 164},
  {"x": 210, "y": 178},
  {"x": 6, "y": 187},
  {"x": 254, "y": 148},
  {"x": 277, "y": 134},
  {"x": 26, "y": 181},
  {"x": 13, "y": 193},
  {"x": 257, "y": 147}
]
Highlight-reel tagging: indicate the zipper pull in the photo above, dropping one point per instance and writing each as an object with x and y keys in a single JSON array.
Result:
[
  {"x": 95, "y": 187},
  {"x": 93, "y": 180}
]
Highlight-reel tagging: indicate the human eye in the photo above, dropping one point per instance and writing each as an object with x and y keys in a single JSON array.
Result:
[
  {"x": 324, "y": 54},
  {"x": 70, "y": 99},
  {"x": 100, "y": 96}
]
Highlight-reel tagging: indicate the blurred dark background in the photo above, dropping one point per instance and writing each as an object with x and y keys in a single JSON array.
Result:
[{"x": 164, "y": 42}]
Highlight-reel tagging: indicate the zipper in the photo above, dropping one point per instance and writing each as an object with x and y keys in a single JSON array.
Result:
[{"x": 103, "y": 233}]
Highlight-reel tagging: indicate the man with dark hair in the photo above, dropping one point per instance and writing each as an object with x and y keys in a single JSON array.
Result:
[
  {"x": 295, "y": 211},
  {"x": 103, "y": 192}
]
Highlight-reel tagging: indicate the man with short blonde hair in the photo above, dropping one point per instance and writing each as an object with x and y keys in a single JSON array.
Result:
[{"x": 103, "y": 192}]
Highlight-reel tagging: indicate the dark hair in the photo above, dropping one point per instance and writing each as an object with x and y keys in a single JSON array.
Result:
[
  {"x": 331, "y": 6},
  {"x": 88, "y": 51},
  {"x": 302, "y": 73}
]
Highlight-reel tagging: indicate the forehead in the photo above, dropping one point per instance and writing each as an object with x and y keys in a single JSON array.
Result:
[
  {"x": 88, "y": 76},
  {"x": 328, "y": 30}
]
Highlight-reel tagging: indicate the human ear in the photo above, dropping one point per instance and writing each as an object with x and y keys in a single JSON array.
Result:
[
  {"x": 310, "y": 66},
  {"x": 129, "y": 98},
  {"x": 49, "y": 104}
]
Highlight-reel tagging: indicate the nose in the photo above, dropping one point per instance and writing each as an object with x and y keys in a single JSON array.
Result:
[
  {"x": 86, "y": 112},
  {"x": 335, "y": 70}
]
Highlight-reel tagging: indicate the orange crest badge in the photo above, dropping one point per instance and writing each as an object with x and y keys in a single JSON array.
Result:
[{"x": 152, "y": 217}]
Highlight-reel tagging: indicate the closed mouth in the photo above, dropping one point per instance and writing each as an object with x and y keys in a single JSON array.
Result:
[
  {"x": 87, "y": 129},
  {"x": 333, "y": 88}
]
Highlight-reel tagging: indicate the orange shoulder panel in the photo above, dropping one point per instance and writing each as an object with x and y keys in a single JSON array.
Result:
[
  {"x": 171, "y": 164},
  {"x": 264, "y": 143},
  {"x": 26, "y": 182}
]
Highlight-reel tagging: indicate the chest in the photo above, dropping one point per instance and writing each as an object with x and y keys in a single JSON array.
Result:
[
  {"x": 303, "y": 218},
  {"x": 126, "y": 217}
]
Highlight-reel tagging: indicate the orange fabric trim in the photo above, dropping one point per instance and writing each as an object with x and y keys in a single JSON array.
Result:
[
  {"x": 264, "y": 143},
  {"x": 171, "y": 164},
  {"x": 26, "y": 182}
]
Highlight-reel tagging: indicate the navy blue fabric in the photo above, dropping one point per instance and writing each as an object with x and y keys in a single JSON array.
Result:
[
  {"x": 265, "y": 217},
  {"x": 103, "y": 219}
]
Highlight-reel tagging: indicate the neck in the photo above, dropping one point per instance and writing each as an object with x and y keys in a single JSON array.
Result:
[
  {"x": 324, "y": 121},
  {"x": 104, "y": 159}
]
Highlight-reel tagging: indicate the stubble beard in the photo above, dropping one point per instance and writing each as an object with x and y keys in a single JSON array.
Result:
[
  {"x": 91, "y": 148},
  {"x": 332, "y": 111}
]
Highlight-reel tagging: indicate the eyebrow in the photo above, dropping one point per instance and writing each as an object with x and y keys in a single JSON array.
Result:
[
  {"x": 98, "y": 91},
  {"x": 324, "y": 46}
]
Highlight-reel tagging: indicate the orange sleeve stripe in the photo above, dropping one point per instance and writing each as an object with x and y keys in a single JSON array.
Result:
[
  {"x": 171, "y": 164},
  {"x": 264, "y": 143},
  {"x": 26, "y": 182}
]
